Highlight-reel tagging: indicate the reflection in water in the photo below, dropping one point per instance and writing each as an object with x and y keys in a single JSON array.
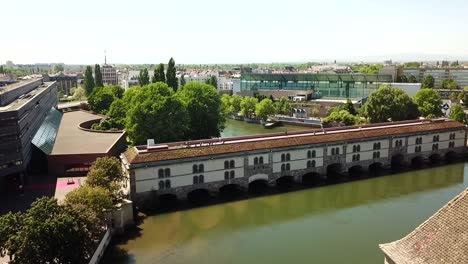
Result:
[{"x": 333, "y": 224}]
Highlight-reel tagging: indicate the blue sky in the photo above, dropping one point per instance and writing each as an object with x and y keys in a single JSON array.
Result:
[{"x": 242, "y": 31}]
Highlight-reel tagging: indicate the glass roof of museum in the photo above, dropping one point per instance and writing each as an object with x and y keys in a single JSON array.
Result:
[{"x": 320, "y": 77}]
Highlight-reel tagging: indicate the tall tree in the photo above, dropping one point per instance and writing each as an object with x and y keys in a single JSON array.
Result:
[
  {"x": 98, "y": 76},
  {"x": 101, "y": 99},
  {"x": 171, "y": 78},
  {"x": 248, "y": 105},
  {"x": 212, "y": 81},
  {"x": 236, "y": 103},
  {"x": 449, "y": 84},
  {"x": 158, "y": 75},
  {"x": 429, "y": 102},
  {"x": 411, "y": 78},
  {"x": 182, "y": 80},
  {"x": 1, "y": 69},
  {"x": 88, "y": 81},
  {"x": 428, "y": 82},
  {"x": 264, "y": 109},
  {"x": 390, "y": 103},
  {"x": 143, "y": 78},
  {"x": 58, "y": 68},
  {"x": 203, "y": 102},
  {"x": 457, "y": 113}
]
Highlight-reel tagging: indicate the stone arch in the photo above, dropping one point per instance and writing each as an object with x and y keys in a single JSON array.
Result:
[
  {"x": 199, "y": 196},
  {"x": 397, "y": 161},
  {"x": 417, "y": 162},
  {"x": 285, "y": 182},
  {"x": 355, "y": 171},
  {"x": 435, "y": 158},
  {"x": 311, "y": 178},
  {"x": 375, "y": 168},
  {"x": 168, "y": 200},
  {"x": 451, "y": 156},
  {"x": 229, "y": 191},
  {"x": 258, "y": 177},
  {"x": 334, "y": 169},
  {"x": 258, "y": 186}
]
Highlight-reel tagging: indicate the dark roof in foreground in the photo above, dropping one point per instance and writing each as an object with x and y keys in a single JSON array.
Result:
[
  {"x": 179, "y": 150},
  {"x": 443, "y": 238}
]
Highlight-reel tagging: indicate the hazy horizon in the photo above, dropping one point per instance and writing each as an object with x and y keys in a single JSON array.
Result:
[{"x": 213, "y": 32}]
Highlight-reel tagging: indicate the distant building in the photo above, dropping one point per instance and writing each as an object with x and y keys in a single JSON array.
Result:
[
  {"x": 109, "y": 74},
  {"x": 443, "y": 238},
  {"x": 7, "y": 78},
  {"x": 459, "y": 75},
  {"x": 66, "y": 81},
  {"x": 23, "y": 107},
  {"x": 389, "y": 70}
]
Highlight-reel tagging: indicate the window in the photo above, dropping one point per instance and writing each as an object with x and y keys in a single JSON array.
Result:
[
  {"x": 435, "y": 138},
  {"x": 232, "y": 174},
  {"x": 167, "y": 173},
  {"x": 311, "y": 164},
  {"x": 399, "y": 143},
  {"x": 195, "y": 179},
  {"x": 201, "y": 168},
  {"x": 419, "y": 140},
  {"x": 226, "y": 164},
  {"x": 255, "y": 161},
  {"x": 161, "y": 185},
  {"x": 288, "y": 167},
  {"x": 226, "y": 175},
  {"x": 288, "y": 157},
  {"x": 452, "y": 136},
  {"x": 377, "y": 145},
  {"x": 201, "y": 179},
  {"x": 435, "y": 146},
  {"x": 232, "y": 164},
  {"x": 356, "y": 157},
  {"x": 417, "y": 149},
  {"x": 313, "y": 153},
  {"x": 309, "y": 154},
  {"x": 260, "y": 160},
  {"x": 356, "y": 148},
  {"x": 283, "y": 167},
  {"x": 283, "y": 157},
  {"x": 337, "y": 151},
  {"x": 376, "y": 155},
  {"x": 167, "y": 184},
  {"x": 194, "y": 168},
  {"x": 160, "y": 173},
  {"x": 333, "y": 151}
]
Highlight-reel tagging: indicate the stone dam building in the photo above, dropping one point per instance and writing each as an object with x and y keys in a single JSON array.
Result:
[{"x": 182, "y": 167}]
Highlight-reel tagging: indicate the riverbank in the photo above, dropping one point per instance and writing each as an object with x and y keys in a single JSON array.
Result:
[{"x": 317, "y": 224}]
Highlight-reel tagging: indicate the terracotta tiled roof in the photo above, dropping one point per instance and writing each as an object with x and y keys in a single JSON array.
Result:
[
  {"x": 443, "y": 238},
  {"x": 134, "y": 157}
]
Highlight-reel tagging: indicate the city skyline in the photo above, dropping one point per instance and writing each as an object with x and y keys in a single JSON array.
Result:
[{"x": 207, "y": 32}]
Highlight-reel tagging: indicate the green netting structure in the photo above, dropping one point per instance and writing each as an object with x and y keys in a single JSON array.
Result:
[
  {"x": 336, "y": 86},
  {"x": 44, "y": 138}
]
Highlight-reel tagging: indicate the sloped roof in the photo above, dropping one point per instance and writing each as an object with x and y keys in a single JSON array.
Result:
[
  {"x": 443, "y": 238},
  {"x": 45, "y": 136}
]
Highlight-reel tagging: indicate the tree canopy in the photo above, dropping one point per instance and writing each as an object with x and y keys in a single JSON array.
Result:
[
  {"x": 171, "y": 78},
  {"x": 213, "y": 81},
  {"x": 389, "y": 103},
  {"x": 143, "y": 78},
  {"x": 95, "y": 199},
  {"x": 106, "y": 173},
  {"x": 88, "y": 81},
  {"x": 98, "y": 76},
  {"x": 204, "y": 108},
  {"x": 57, "y": 68},
  {"x": 247, "y": 106},
  {"x": 101, "y": 99},
  {"x": 342, "y": 117},
  {"x": 449, "y": 84},
  {"x": 264, "y": 109},
  {"x": 282, "y": 106},
  {"x": 457, "y": 113},
  {"x": 429, "y": 102},
  {"x": 159, "y": 74},
  {"x": 427, "y": 82}
]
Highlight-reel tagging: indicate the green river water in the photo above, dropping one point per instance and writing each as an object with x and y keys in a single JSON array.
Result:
[{"x": 341, "y": 223}]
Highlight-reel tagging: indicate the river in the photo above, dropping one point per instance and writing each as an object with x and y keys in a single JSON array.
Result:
[{"x": 341, "y": 223}]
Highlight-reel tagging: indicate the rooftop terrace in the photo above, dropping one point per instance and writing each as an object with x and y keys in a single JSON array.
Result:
[{"x": 22, "y": 99}]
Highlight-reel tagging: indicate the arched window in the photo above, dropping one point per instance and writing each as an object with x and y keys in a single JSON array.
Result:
[
  {"x": 201, "y": 179},
  {"x": 161, "y": 185},
  {"x": 226, "y": 175},
  {"x": 309, "y": 154},
  {"x": 288, "y": 166},
  {"x": 194, "y": 168},
  {"x": 288, "y": 157},
  {"x": 167, "y": 173},
  {"x": 283, "y": 157},
  {"x": 337, "y": 151},
  {"x": 195, "y": 179},
  {"x": 260, "y": 160},
  {"x": 232, "y": 174},
  {"x": 160, "y": 173},
  {"x": 358, "y": 148},
  {"x": 378, "y": 145},
  {"x": 168, "y": 184},
  {"x": 308, "y": 164},
  {"x": 313, "y": 164},
  {"x": 201, "y": 168},
  {"x": 283, "y": 167},
  {"x": 358, "y": 157},
  {"x": 232, "y": 164},
  {"x": 226, "y": 164},
  {"x": 354, "y": 148},
  {"x": 333, "y": 151},
  {"x": 313, "y": 154},
  {"x": 255, "y": 161}
]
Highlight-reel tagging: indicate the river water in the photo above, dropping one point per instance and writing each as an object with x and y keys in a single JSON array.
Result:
[{"x": 341, "y": 223}]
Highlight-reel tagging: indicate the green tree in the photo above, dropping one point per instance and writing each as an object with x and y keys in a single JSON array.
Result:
[
  {"x": 226, "y": 103},
  {"x": 212, "y": 81},
  {"x": 79, "y": 93},
  {"x": 203, "y": 104},
  {"x": 98, "y": 76},
  {"x": 247, "y": 106},
  {"x": 182, "y": 80},
  {"x": 88, "y": 80},
  {"x": 143, "y": 78},
  {"x": 350, "y": 107},
  {"x": 101, "y": 99},
  {"x": 95, "y": 199},
  {"x": 171, "y": 78},
  {"x": 10, "y": 225},
  {"x": 264, "y": 109},
  {"x": 106, "y": 173},
  {"x": 389, "y": 103},
  {"x": 2, "y": 71},
  {"x": 411, "y": 78},
  {"x": 117, "y": 90},
  {"x": 58, "y": 68},
  {"x": 370, "y": 69},
  {"x": 283, "y": 107},
  {"x": 449, "y": 84},
  {"x": 403, "y": 79},
  {"x": 427, "y": 82},
  {"x": 315, "y": 112},
  {"x": 236, "y": 103},
  {"x": 155, "y": 113},
  {"x": 429, "y": 102},
  {"x": 48, "y": 233},
  {"x": 159, "y": 74},
  {"x": 457, "y": 113},
  {"x": 413, "y": 64},
  {"x": 342, "y": 117}
]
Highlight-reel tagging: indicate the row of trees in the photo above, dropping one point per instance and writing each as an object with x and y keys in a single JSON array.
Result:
[
  {"x": 169, "y": 77},
  {"x": 50, "y": 232},
  {"x": 155, "y": 111},
  {"x": 90, "y": 82},
  {"x": 252, "y": 107}
]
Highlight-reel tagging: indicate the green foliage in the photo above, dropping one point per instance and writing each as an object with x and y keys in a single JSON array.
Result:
[
  {"x": 213, "y": 81},
  {"x": 449, "y": 84},
  {"x": 203, "y": 104},
  {"x": 389, "y": 103},
  {"x": 97, "y": 76},
  {"x": 48, "y": 233},
  {"x": 226, "y": 104},
  {"x": 236, "y": 103},
  {"x": 315, "y": 112},
  {"x": 101, "y": 99},
  {"x": 428, "y": 102},
  {"x": 1, "y": 69},
  {"x": 159, "y": 74},
  {"x": 106, "y": 173},
  {"x": 283, "y": 107},
  {"x": 171, "y": 78},
  {"x": 95, "y": 199},
  {"x": 143, "y": 78},
  {"x": 455, "y": 64},
  {"x": 370, "y": 69},
  {"x": 427, "y": 82},
  {"x": 88, "y": 80},
  {"x": 58, "y": 68},
  {"x": 412, "y": 64},
  {"x": 264, "y": 109},
  {"x": 182, "y": 80},
  {"x": 247, "y": 106},
  {"x": 155, "y": 113},
  {"x": 342, "y": 117},
  {"x": 403, "y": 79},
  {"x": 411, "y": 79},
  {"x": 79, "y": 93},
  {"x": 457, "y": 113}
]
